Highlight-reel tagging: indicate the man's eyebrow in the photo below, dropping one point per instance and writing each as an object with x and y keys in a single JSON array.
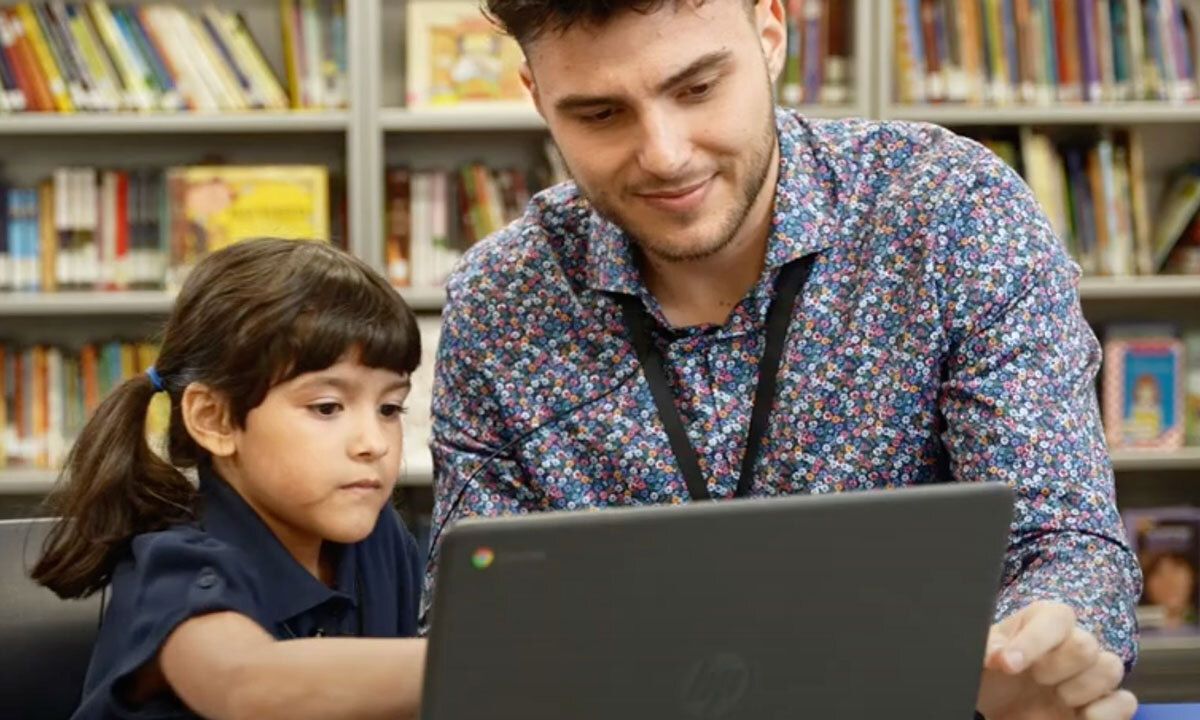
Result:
[{"x": 701, "y": 64}]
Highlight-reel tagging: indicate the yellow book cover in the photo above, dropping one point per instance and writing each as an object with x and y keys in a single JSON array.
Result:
[
  {"x": 1001, "y": 92},
  {"x": 128, "y": 358},
  {"x": 291, "y": 49},
  {"x": 47, "y": 237},
  {"x": 103, "y": 72},
  {"x": 58, "y": 88},
  {"x": 158, "y": 415},
  {"x": 211, "y": 207},
  {"x": 136, "y": 89},
  {"x": 456, "y": 57},
  {"x": 39, "y": 404}
]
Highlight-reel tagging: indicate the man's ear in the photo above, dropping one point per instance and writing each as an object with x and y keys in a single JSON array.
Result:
[
  {"x": 771, "y": 23},
  {"x": 530, "y": 84},
  {"x": 207, "y": 417}
]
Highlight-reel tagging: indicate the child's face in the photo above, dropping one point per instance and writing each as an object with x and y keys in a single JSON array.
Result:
[{"x": 321, "y": 454}]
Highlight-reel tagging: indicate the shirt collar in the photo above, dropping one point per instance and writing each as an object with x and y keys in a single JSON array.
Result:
[
  {"x": 803, "y": 221},
  {"x": 288, "y": 589}
]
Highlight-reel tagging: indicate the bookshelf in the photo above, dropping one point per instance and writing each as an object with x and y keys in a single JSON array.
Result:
[{"x": 376, "y": 130}]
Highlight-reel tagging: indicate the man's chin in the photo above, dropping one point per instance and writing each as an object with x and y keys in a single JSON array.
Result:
[{"x": 671, "y": 245}]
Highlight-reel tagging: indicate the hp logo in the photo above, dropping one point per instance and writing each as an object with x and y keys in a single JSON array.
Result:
[{"x": 713, "y": 686}]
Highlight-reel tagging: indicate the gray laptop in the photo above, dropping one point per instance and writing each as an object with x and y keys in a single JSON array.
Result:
[{"x": 850, "y": 606}]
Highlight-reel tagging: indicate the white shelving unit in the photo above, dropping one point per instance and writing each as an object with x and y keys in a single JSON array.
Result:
[
  {"x": 149, "y": 302},
  {"x": 1185, "y": 459},
  {"x": 400, "y": 120},
  {"x": 1166, "y": 287},
  {"x": 1141, "y": 113},
  {"x": 299, "y": 121}
]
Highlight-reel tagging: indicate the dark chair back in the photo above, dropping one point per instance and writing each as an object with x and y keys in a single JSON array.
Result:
[{"x": 45, "y": 642}]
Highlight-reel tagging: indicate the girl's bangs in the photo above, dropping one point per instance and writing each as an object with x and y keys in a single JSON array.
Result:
[{"x": 348, "y": 314}]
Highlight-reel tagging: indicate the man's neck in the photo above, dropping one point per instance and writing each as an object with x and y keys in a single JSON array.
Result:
[{"x": 704, "y": 292}]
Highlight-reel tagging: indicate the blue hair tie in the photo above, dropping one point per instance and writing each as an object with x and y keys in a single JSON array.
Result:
[{"x": 155, "y": 379}]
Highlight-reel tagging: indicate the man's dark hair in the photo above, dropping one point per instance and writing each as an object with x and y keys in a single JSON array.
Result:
[{"x": 526, "y": 20}]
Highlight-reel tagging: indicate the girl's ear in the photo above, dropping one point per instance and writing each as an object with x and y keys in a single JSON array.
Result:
[{"x": 207, "y": 419}]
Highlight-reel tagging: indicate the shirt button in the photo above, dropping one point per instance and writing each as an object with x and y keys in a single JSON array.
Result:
[{"x": 208, "y": 578}]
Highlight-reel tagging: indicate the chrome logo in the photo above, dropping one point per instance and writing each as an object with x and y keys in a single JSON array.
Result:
[{"x": 483, "y": 558}]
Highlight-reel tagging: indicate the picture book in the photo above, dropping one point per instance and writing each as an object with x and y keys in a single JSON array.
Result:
[
  {"x": 211, "y": 207},
  {"x": 457, "y": 58},
  {"x": 1166, "y": 542},
  {"x": 1143, "y": 393}
]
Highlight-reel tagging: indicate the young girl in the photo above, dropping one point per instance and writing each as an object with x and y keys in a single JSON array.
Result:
[{"x": 287, "y": 365}]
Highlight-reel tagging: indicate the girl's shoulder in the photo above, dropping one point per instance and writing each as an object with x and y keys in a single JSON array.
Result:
[{"x": 186, "y": 565}]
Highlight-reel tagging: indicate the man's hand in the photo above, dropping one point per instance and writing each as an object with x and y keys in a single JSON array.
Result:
[{"x": 1041, "y": 666}]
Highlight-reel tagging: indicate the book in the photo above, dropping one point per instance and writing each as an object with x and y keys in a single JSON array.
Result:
[
  {"x": 1191, "y": 400},
  {"x": 457, "y": 58},
  {"x": 212, "y": 207},
  {"x": 1143, "y": 391},
  {"x": 1180, "y": 205},
  {"x": 1166, "y": 542}
]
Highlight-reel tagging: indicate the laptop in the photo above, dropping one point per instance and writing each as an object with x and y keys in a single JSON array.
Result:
[{"x": 845, "y": 606}]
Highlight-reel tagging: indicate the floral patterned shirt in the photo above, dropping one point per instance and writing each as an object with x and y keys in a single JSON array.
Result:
[{"x": 939, "y": 336}]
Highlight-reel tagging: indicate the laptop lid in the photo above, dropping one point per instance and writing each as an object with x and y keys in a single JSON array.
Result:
[{"x": 843, "y": 606}]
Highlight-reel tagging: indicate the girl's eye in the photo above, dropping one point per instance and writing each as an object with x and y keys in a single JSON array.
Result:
[
  {"x": 327, "y": 409},
  {"x": 698, "y": 91},
  {"x": 391, "y": 411}
]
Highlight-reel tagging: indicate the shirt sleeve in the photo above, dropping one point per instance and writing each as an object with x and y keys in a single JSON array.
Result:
[
  {"x": 1020, "y": 406},
  {"x": 169, "y": 577},
  {"x": 475, "y": 471}
]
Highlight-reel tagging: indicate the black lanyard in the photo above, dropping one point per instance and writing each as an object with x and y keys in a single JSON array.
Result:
[{"x": 788, "y": 286}]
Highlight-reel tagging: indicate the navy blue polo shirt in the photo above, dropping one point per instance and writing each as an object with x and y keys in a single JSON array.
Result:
[{"x": 230, "y": 561}]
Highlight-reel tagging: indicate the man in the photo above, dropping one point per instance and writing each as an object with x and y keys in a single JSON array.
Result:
[{"x": 936, "y": 334}]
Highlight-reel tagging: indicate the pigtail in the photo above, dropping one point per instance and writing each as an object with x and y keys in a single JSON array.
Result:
[{"x": 112, "y": 488}]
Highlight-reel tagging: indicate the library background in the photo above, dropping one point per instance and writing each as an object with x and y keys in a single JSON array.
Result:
[{"x": 133, "y": 138}]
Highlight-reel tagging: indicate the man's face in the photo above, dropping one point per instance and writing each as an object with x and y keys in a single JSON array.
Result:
[{"x": 665, "y": 119}]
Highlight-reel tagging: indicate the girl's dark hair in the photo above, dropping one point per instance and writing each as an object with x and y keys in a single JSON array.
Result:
[
  {"x": 249, "y": 317},
  {"x": 526, "y": 20}
]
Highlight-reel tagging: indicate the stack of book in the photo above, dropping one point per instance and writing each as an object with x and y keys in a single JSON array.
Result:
[
  {"x": 434, "y": 216},
  {"x": 49, "y": 392},
  {"x": 87, "y": 228},
  {"x": 819, "y": 51},
  {"x": 1045, "y": 51},
  {"x": 98, "y": 56},
  {"x": 1094, "y": 194}
]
